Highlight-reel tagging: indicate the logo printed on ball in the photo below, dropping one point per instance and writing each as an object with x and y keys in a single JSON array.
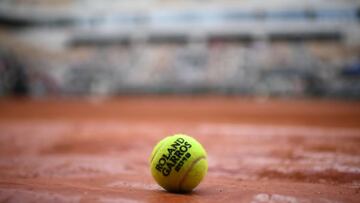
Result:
[{"x": 176, "y": 157}]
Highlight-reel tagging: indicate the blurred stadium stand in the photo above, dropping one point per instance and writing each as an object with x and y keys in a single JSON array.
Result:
[{"x": 248, "y": 47}]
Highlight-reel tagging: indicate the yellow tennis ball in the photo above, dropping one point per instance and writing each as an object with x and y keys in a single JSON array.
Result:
[{"x": 178, "y": 163}]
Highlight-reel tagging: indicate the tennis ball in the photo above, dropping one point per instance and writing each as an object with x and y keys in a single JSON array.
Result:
[{"x": 178, "y": 163}]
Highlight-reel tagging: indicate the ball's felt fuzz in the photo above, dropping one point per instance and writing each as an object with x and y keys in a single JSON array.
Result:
[{"x": 178, "y": 163}]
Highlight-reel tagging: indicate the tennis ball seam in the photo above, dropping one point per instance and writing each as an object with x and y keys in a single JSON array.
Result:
[
  {"x": 188, "y": 170},
  {"x": 158, "y": 149}
]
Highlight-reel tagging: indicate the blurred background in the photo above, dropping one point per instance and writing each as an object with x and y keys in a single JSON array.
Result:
[{"x": 279, "y": 48}]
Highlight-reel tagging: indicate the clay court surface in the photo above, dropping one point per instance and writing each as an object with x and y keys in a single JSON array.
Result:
[{"x": 68, "y": 150}]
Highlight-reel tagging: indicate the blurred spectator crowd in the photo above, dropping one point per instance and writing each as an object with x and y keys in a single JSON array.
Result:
[
  {"x": 225, "y": 67},
  {"x": 315, "y": 51}
]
